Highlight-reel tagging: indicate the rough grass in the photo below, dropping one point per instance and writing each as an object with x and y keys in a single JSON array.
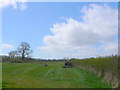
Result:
[
  {"x": 35, "y": 75},
  {"x": 102, "y": 66},
  {"x": 0, "y": 75}
]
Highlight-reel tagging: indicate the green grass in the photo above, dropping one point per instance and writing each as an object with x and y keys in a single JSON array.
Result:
[
  {"x": 0, "y": 75},
  {"x": 102, "y": 63},
  {"x": 34, "y": 75},
  {"x": 104, "y": 67}
]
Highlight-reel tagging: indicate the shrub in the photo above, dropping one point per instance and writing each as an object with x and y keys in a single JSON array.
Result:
[{"x": 16, "y": 61}]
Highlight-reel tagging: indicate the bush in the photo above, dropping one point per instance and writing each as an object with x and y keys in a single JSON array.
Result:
[{"x": 16, "y": 61}]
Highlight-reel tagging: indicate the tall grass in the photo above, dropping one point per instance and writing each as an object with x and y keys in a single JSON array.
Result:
[{"x": 105, "y": 67}]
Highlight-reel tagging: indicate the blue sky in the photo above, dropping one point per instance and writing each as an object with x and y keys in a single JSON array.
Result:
[{"x": 34, "y": 23}]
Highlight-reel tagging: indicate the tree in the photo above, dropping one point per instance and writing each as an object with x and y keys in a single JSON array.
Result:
[
  {"x": 24, "y": 50},
  {"x": 12, "y": 54}
]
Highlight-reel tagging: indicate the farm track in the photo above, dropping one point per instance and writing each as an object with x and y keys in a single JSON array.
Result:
[{"x": 35, "y": 75}]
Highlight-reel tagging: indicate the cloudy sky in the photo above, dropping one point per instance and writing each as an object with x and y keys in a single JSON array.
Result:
[{"x": 59, "y": 30}]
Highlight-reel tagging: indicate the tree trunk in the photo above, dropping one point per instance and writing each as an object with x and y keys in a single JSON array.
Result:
[{"x": 23, "y": 56}]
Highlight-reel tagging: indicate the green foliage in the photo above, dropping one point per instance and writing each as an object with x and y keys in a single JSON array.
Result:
[
  {"x": 105, "y": 67},
  {"x": 100, "y": 63},
  {"x": 16, "y": 61}
]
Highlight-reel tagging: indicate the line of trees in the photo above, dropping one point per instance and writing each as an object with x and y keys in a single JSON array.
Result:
[{"x": 23, "y": 51}]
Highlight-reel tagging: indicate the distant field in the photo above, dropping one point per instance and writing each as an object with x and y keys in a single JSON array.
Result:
[{"x": 35, "y": 75}]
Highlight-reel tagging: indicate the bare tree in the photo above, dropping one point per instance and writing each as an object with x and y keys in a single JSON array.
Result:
[
  {"x": 12, "y": 54},
  {"x": 24, "y": 50}
]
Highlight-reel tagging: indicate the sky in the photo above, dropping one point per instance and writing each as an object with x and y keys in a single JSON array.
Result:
[{"x": 61, "y": 29}]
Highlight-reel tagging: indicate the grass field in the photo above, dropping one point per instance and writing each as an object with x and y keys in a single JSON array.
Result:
[
  {"x": 0, "y": 75},
  {"x": 35, "y": 75}
]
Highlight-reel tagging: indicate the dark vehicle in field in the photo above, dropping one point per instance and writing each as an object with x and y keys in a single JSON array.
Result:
[{"x": 67, "y": 64}]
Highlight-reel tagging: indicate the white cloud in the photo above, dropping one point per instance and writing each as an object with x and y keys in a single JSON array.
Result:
[
  {"x": 20, "y": 4},
  {"x": 110, "y": 48},
  {"x": 92, "y": 36},
  {"x": 3, "y": 54},
  {"x": 6, "y": 46}
]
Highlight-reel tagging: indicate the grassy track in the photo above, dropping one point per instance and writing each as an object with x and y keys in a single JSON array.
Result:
[{"x": 34, "y": 75}]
